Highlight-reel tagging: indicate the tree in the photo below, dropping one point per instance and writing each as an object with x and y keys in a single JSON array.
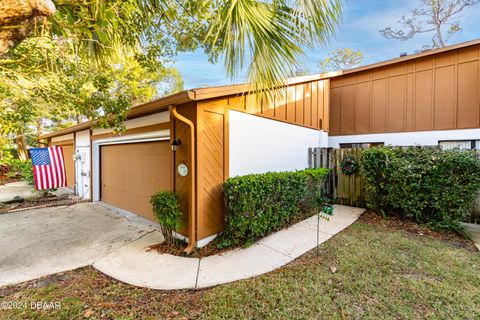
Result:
[
  {"x": 266, "y": 37},
  {"x": 341, "y": 59},
  {"x": 49, "y": 86},
  {"x": 440, "y": 17}
]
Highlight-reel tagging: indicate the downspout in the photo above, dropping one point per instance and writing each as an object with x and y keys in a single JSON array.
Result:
[{"x": 192, "y": 236}]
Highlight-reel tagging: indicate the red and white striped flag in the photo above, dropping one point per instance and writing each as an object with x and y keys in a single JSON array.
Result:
[{"x": 48, "y": 168}]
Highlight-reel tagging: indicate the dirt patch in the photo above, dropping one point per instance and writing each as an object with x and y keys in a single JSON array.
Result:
[
  {"x": 413, "y": 228},
  {"x": 40, "y": 202},
  {"x": 177, "y": 249}
]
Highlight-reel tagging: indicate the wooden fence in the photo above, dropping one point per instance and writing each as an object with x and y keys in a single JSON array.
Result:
[{"x": 343, "y": 188}]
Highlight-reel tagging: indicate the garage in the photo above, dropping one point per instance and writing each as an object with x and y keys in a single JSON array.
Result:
[{"x": 131, "y": 173}]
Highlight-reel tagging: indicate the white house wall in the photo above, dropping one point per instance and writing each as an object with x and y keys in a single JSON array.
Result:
[
  {"x": 156, "y": 118},
  {"x": 259, "y": 145},
  {"x": 82, "y": 164},
  {"x": 423, "y": 138}
]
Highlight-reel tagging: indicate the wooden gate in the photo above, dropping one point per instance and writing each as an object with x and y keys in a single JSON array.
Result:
[{"x": 343, "y": 188}]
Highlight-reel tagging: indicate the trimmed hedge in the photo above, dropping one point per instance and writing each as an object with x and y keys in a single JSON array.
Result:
[
  {"x": 424, "y": 184},
  {"x": 261, "y": 203}
]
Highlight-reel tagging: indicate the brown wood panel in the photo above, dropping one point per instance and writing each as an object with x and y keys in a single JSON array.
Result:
[
  {"x": 325, "y": 120},
  {"x": 423, "y": 100},
  {"x": 132, "y": 173},
  {"x": 347, "y": 125},
  {"x": 281, "y": 104},
  {"x": 307, "y": 104},
  {"x": 468, "y": 95},
  {"x": 362, "y": 107},
  {"x": 299, "y": 104},
  {"x": 335, "y": 108},
  {"x": 212, "y": 159},
  {"x": 444, "y": 113},
  {"x": 291, "y": 104},
  {"x": 314, "y": 105},
  {"x": 396, "y": 104},
  {"x": 378, "y": 107},
  {"x": 182, "y": 155},
  {"x": 410, "y": 103},
  {"x": 434, "y": 92}
]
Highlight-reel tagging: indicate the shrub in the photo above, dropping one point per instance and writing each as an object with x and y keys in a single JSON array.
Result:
[
  {"x": 261, "y": 203},
  {"x": 424, "y": 184},
  {"x": 166, "y": 207}
]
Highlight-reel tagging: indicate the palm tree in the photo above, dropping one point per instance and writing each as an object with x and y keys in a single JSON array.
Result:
[{"x": 265, "y": 37}]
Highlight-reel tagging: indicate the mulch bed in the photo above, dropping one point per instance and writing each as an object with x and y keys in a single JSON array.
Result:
[
  {"x": 41, "y": 202},
  {"x": 212, "y": 247},
  {"x": 412, "y": 228},
  {"x": 177, "y": 249}
]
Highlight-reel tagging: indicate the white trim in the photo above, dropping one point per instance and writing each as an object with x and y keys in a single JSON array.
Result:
[
  {"x": 200, "y": 243},
  {"x": 133, "y": 138},
  {"x": 422, "y": 138}
]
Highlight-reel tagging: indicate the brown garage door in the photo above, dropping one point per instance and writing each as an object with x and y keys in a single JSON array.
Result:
[{"x": 132, "y": 173}]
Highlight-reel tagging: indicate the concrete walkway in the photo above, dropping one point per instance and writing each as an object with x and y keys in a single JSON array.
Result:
[
  {"x": 23, "y": 190},
  {"x": 41, "y": 242},
  {"x": 134, "y": 265}
]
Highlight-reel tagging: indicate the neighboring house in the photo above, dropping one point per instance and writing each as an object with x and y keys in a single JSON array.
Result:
[{"x": 429, "y": 98}]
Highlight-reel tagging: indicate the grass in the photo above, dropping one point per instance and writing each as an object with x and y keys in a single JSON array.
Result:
[{"x": 380, "y": 274}]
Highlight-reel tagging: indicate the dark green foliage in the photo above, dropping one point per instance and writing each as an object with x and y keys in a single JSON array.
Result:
[
  {"x": 166, "y": 206},
  {"x": 261, "y": 203},
  {"x": 424, "y": 184}
]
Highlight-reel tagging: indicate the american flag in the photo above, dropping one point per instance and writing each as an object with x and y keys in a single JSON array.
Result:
[{"x": 48, "y": 168}]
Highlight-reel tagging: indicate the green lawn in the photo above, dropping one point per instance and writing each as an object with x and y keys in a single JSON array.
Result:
[{"x": 380, "y": 273}]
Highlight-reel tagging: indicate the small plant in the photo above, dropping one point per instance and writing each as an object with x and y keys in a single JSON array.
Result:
[{"x": 166, "y": 206}]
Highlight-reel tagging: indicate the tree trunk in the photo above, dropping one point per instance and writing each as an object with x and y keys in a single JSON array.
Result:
[
  {"x": 39, "y": 127},
  {"x": 21, "y": 146},
  {"x": 17, "y": 19}
]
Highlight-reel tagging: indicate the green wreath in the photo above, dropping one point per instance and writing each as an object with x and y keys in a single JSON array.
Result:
[{"x": 349, "y": 165}]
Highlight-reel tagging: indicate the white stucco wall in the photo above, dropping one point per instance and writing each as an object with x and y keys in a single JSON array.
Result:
[
  {"x": 424, "y": 138},
  {"x": 259, "y": 145},
  {"x": 82, "y": 166}
]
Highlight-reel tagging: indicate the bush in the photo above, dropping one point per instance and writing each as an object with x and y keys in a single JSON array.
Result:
[
  {"x": 424, "y": 184},
  {"x": 261, "y": 203},
  {"x": 166, "y": 206}
]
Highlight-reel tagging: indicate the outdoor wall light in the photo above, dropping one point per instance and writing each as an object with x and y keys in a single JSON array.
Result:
[{"x": 175, "y": 144}]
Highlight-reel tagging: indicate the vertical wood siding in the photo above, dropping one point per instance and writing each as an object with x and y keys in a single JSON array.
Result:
[
  {"x": 304, "y": 104},
  {"x": 436, "y": 92}
]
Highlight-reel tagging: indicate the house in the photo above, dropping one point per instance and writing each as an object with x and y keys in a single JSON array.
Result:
[{"x": 191, "y": 141}]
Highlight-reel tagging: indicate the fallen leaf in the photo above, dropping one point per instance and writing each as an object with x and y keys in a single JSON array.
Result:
[{"x": 88, "y": 313}]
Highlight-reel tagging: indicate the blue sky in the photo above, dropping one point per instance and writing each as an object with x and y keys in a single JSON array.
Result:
[{"x": 359, "y": 30}]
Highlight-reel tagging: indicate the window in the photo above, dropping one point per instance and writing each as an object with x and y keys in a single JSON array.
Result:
[
  {"x": 459, "y": 144},
  {"x": 362, "y": 145}
]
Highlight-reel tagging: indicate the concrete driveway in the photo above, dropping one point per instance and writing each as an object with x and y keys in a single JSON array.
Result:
[{"x": 40, "y": 242}]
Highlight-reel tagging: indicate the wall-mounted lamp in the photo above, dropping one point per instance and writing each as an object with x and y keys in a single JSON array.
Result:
[{"x": 176, "y": 144}]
